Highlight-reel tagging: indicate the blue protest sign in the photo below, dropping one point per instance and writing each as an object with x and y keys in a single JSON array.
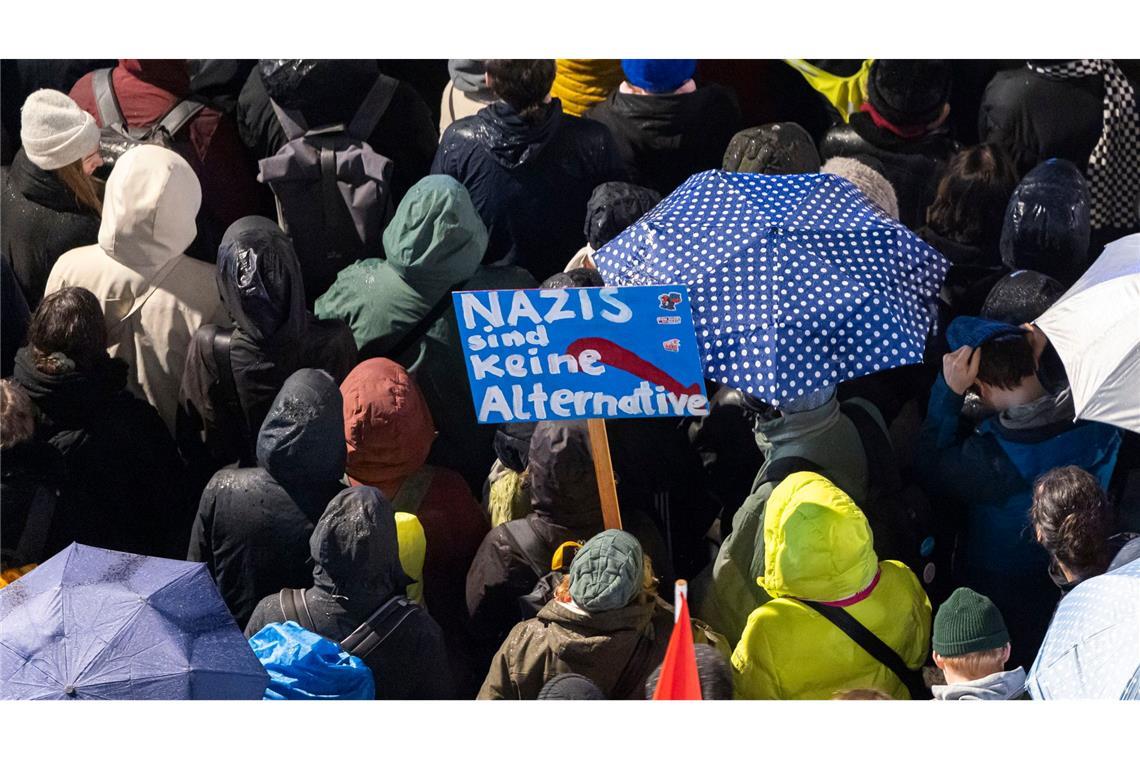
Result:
[{"x": 579, "y": 353}]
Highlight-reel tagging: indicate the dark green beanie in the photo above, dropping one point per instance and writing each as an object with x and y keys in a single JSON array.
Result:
[
  {"x": 968, "y": 622},
  {"x": 607, "y": 572}
]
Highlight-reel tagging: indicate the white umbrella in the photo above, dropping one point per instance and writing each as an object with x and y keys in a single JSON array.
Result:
[{"x": 1095, "y": 328}]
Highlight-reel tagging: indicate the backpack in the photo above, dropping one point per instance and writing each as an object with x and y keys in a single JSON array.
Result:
[
  {"x": 523, "y": 538},
  {"x": 116, "y": 138},
  {"x": 903, "y": 522},
  {"x": 216, "y": 342},
  {"x": 333, "y": 191},
  {"x": 304, "y": 665},
  {"x": 369, "y": 635}
]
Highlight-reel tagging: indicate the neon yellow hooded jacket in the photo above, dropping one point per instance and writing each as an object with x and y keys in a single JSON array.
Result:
[{"x": 819, "y": 547}]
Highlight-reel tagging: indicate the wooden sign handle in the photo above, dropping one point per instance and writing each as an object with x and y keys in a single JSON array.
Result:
[{"x": 604, "y": 471}]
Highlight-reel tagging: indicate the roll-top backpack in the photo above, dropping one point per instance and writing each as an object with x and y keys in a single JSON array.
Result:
[
  {"x": 333, "y": 190},
  {"x": 116, "y": 138}
]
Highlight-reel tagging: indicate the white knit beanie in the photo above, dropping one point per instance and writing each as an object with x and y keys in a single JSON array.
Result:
[
  {"x": 55, "y": 131},
  {"x": 872, "y": 184}
]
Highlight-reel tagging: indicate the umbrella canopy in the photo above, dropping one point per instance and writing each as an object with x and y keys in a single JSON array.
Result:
[
  {"x": 96, "y": 624},
  {"x": 1095, "y": 328},
  {"x": 1092, "y": 649},
  {"x": 797, "y": 282}
]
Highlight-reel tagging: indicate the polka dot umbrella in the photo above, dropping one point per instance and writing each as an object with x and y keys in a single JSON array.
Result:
[{"x": 797, "y": 282}]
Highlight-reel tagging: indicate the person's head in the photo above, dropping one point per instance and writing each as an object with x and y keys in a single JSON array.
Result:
[
  {"x": 969, "y": 637},
  {"x": 657, "y": 76},
  {"x": 582, "y": 277},
  {"x": 713, "y": 672},
  {"x": 67, "y": 332},
  {"x": 17, "y": 415},
  {"x": 1046, "y": 226},
  {"x": 1021, "y": 297},
  {"x": 387, "y": 425},
  {"x": 1071, "y": 520},
  {"x": 911, "y": 95},
  {"x": 570, "y": 686},
  {"x": 564, "y": 489},
  {"x": 779, "y": 148},
  {"x": 614, "y": 206},
  {"x": 259, "y": 279},
  {"x": 325, "y": 91},
  {"x": 62, "y": 138},
  {"x": 972, "y": 195},
  {"x": 1007, "y": 364},
  {"x": 301, "y": 439},
  {"x": 607, "y": 573},
  {"x": 866, "y": 173},
  {"x": 523, "y": 84}
]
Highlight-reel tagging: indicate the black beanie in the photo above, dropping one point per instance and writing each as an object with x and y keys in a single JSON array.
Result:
[
  {"x": 1021, "y": 296},
  {"x": 909, "y": 93}
]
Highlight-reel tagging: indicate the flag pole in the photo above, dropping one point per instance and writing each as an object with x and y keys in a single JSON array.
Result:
[
  {"x": 604, "y": 472},
  {"x": 680, "y": 589}
]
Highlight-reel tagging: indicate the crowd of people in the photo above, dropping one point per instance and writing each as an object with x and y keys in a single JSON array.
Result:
[{"x": 228, "y": 338}]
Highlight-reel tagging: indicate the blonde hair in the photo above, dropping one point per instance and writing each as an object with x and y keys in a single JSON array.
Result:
[
  {"x": 648, "y": 582},
  {"x": 17, "y": 415},
  {"x": 81, "y": 186},
  {"x": 975, "y": 665}
]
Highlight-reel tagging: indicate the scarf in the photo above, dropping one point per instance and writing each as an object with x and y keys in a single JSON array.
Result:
[{"x": 1114, "y": 165}]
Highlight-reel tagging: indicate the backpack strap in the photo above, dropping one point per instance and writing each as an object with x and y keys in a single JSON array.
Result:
[
  {"x": 178, "y": 116},
  {"x": 105, "y": 100},
  {"x": 379, "y": 626},
  {"x": 37, "y": 527},
  {"x": 872, "y": 645},
  {"x": 295, "y": 608},
  {"x": 412, "y": 336},
  {"x": 521, "y": 535},
  {"x": 372, "y": 108},
  {"x": 332, "y": 204},
  {"x": 785, "y": 466},
  {"x": 220, "y": 343},
  {"x": 634, "y": 667},
  {"x": 413, "y": 490},
  {"x": 881, "y": 467}
]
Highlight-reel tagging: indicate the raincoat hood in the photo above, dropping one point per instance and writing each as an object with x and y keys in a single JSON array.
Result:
[
  {"x": 325, "y": 91},
  {"x": 259, "y": 279},
  {"x": 1046, "y": 225},
  {"x": 564, "y": 490},
  {"x": 778, "y": 148},
  {"x": 151, "y": 201},
  {"x": 170, "y": 74},
  {"x": 613, "y": 206},
  {"x": 510, "y": 139},
  {"x": 818, "y": 544},
  {"x": 300, "y": 440},
  {"x": 356, "y": 549},
  {"x": 436, "y": 239},
  {"x": 387, "y": 425}
]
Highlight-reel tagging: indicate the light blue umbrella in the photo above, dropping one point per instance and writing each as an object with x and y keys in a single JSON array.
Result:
[
  {"x": 1092, "y": 648},
  {"x": 797, "y": 282}
]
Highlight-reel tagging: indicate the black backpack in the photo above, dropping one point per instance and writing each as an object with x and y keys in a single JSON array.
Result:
[
  {"x": 523, "y": 538},
  {"x": 217, "y": 342},
  {"x": 369, "y": 635},
  {"x": 116, "y": 138},
  {"x": 333, "y": 191},
  {"x": 905, "y": 525}
]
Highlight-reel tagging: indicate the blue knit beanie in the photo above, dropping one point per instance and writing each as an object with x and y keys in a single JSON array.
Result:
[{"x": 658, "y": 75}]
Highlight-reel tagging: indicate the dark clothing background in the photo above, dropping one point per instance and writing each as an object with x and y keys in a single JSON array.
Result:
[{"x": 14, "y": 318}]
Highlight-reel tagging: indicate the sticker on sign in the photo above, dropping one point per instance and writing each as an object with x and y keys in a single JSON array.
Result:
[{"x": 578, "y": 353}]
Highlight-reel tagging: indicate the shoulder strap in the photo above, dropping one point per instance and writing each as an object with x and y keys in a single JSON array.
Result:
[
  {"x": 295, "y": 608},
  {"x": 521, "y": 535},
  {"x": 413, "y": 490},
  {"x": 375, "y": 103},
  {"x": 37, "y": 527},
  {"x": 786, "y": 466},
  {"x": 179, "y": 116},
  {"x": 412, "y": 336},
  {"x": 881, "y": 468},
  {"x": 105, "y": 101},
  {"x": 378, "y": 627},
  {"x": 292, "y": 123},
  {"x": 634, "y": 667},
  {"x": 872, "y": 645},
  {"x": 220, "y": 342}
]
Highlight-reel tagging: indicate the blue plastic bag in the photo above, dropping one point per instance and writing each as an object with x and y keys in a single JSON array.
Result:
[{"x": 303, "y": 665}]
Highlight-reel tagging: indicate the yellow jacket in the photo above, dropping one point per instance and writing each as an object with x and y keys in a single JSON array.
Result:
[
  {"x": 819, "y": 547},
  {"x": 413, "y": 552},
  {"x": 580, "y": 83}
]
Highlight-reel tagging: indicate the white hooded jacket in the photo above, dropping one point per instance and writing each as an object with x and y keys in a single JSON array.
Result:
[{"x": 153, "y": 297}]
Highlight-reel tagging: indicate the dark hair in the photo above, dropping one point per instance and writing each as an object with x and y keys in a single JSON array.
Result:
[
  {"x": 68, "y": 322},
  {"x": 1070, "y": 512},
  {"x": 1005, "y": 361},
  {"x": 972, "y": 195},
  {"x": 713, "y": 672},
  {"x": 522, "y": 83}
]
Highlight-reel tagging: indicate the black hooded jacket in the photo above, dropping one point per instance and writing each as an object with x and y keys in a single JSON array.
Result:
[
  {"x": 254, "y": 524},
  {"x": 1046, "y": 225},
  {"x": 42, "y": 221},
  {"x": 357, "y": 569},
  {"x": 663, "y": 139},
  {"x": 530, "y": 181},
  {"x": 259, "y": 279},
  {"x": 117, "y": 451}
]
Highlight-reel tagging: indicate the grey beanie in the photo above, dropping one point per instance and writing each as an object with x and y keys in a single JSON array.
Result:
[
  {"x": 55, "y": 131},
  {"x": 870, "y": 182},
  {"x": 607, "y": 572}
]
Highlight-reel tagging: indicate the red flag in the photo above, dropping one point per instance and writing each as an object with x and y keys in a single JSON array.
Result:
[{"x": 679, "y": 679}]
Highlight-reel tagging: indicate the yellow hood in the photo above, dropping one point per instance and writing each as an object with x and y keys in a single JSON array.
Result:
[
  {"x": 818, "y": 544},
  {"x": 151, "y": 201}
]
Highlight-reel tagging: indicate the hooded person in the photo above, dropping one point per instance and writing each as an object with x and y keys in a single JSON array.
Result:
[
  {"x": 570, "y": 686},
  {"x": 866, "y": 173},
  {"x": 780, "y": 148},
  {"x": 666, "y": 127},
  {"x": 1021, "y": 297},
  {"x": 821, "y": 551},
  {"x": 529, "y": 167},
  {"x": 259, "y": 280},
  {"x": 814, "y": 428},
  {"x": 466, "y": 92},
  {"x": 145, "y": 91},
  {"x": 356, "y": 569},
  {"x": 400, "y": 307},
  {"x": 329, "y": 91},
  {"x": 612, "y": 207},
  {"x": 253, "y": 524},
  {"x": 604, "y": 624},
  {"x": 389, "y": 432},
  {"x": 49, "y": 204},
  {"x": 1046, "y": 225},
  {"x": 903, "y": 125},
  {"x": 154, "y": 297},
  {"x": 114, "y": 448}
]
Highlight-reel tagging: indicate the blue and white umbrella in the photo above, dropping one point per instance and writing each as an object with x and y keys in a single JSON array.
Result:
[{"x": 797, "y": 282}]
